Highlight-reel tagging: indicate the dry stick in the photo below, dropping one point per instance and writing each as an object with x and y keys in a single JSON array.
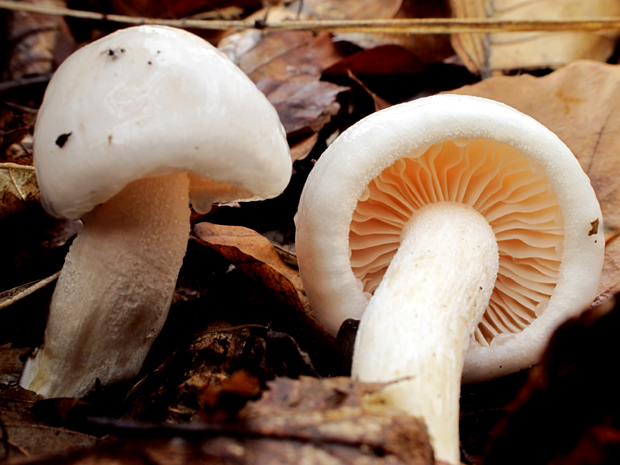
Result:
[
  {"x": 402, "y": 26},
  {"x": 29, "y": 290}
]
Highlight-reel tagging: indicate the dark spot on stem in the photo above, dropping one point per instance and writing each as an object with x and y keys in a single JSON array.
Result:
[
  {"x": 62, "y": 139},
  {"x": 594, "y": 227},
  {"x": 150, "y": 62}
]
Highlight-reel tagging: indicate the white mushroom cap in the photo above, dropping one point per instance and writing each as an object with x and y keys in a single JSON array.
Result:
[
  {"x": 510, "y": 168},
  {"x": 147, "y": 109}
]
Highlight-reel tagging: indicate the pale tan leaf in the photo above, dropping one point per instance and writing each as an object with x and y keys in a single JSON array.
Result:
[{"x": 486, "y": 53}]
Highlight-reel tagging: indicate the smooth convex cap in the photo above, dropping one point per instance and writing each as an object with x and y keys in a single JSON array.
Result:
[
  {"x": 514, "y": 171},
  {"x": 148, "y": 101}
]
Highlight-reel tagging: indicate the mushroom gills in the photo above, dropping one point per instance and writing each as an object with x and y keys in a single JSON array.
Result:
[{"x": 497, "y": 180}]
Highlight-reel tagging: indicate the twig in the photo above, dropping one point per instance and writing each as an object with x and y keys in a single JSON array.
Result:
[
  {"x": 23, "y": 82},
  {"x": 15, "y": 166},
  {"x": 29, "y": 290},
  {"x": 399, "y": 26}
]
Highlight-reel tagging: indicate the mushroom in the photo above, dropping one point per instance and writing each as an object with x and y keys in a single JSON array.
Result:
[
  {"x": 134, "y": 127},
  {"x": 461, "y": 232}
]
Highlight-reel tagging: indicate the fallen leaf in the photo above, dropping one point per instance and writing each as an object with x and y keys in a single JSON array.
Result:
[
  {"x": 11, "y": 364},
  {"x": 302, "y": 149},
  {"x": 486, "y": 53},
  {"x": 287, "y": 67},
  {"x": 425, "y": 48},
  {"x": 580, "y": 104},
  {"x": 382, "y": 59},
  {"x": 256, "y": 256},
  {"x": 303, "y": 107},
  {"x": 569, "y": 410},
  {"x": 380, "y": 104},
  {"x": 26, "y": 435},
  {"x": 14, "y": 128},
  {"x": 18, "y": 188},
  {"x": 176, "y": 8},
  {"x": 37, "y": 42},
  {"x": 333, "y": 421}
]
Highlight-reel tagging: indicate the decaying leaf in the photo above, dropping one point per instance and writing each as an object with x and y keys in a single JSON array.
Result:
[
  {"x": 37, "y": 42},
  {"x": 579, "y": 103},
  {"x": 26, "y": 435},
  {"x": 425, "y": 48},
  {"x": 485, "y": 53},
  {"x": 569, "y": 410},
  {"x": 18, "y": 188},
  {"x": 256, "y": 256},
  {"x": 333, "y": 421},
  {"x": 286, "y": 66}
]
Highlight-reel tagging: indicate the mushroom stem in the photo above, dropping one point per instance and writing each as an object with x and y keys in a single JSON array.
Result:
[
  {"x": 417, "y": 325},
  {"x": 115, "y": 289}
]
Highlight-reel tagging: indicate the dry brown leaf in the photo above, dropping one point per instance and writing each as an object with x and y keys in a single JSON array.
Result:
[
  {"x": 581, "y": 104},
  {"x": 257, "y": 257},
  {"x": 26, "y": 433},
  {"x": 426, "y": 48},
  {"x": 485, "y": 53},
  {"x": 37, "y": 42},
  {"x": 176, "y": 8},
  {"x": 286, "y": 66},
  {"x": 339, "y": 412},
  {"x": 18, "y": 188},
  {"x": 568, "y": 412},
  {"x": 302, "y": 149},
  {"x": 331, "y": 421},
  {"x": 303, "y": 107}
]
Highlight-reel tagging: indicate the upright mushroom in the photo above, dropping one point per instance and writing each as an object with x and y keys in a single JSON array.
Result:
[
  {"x": 447, "y": 223},
  {"x": 134, "y": 127}
]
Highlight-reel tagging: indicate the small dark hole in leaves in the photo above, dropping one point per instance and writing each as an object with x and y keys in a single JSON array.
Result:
[{"x": 62, "y": 139}]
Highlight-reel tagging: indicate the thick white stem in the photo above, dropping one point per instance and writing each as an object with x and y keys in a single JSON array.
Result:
[
  {"x": 115, "y": 289},
  {"x": 417, "y": 325}
]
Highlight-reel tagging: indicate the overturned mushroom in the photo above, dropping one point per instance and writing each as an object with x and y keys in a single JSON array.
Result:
[
  {"x": 447, "y": 223},
  {"x": 133, "y": 128}
]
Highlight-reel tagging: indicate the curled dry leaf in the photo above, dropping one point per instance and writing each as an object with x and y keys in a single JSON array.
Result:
[
  {"x": 18, "y": 188},
  {"x": 485, "y": 53},
  {"x": 579, "y": 103},
  {"x": 257, "y": 257},
  {"x": 569, "y": 410}
]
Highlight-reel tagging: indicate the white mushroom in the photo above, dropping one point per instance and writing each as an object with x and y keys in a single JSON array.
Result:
[
  {"x": 443, "y": 223},
  {"x": 134, "y": 127}
]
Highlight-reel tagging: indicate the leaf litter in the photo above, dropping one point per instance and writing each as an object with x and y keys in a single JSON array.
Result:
[{"x": 240, "y": 325}]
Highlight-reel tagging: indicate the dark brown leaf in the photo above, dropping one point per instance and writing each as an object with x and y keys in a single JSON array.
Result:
[
  {"x": 286, "y": 66},
  {"x": 569, "y": 410}
]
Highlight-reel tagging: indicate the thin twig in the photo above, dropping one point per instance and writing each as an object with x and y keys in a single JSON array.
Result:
[
  {"x": 15, "y": 166},
  {"x": 29, "y": 290},
  {"x": 23, "y": 82},
  {"x": 400, "y": 26}
]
